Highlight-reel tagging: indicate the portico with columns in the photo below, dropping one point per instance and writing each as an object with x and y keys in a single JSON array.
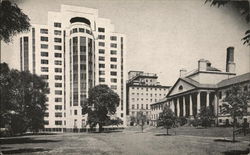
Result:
[{"x": 189, "y": 103}]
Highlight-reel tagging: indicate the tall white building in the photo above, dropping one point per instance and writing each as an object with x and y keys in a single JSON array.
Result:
[{"x": 75, "y": 51}]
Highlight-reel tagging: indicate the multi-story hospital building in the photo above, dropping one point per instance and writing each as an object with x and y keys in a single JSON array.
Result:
[{"x": 74, "y": 51}]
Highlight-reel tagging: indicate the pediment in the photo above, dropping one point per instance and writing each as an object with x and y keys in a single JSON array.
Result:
[{"x": 180, "y": 86}]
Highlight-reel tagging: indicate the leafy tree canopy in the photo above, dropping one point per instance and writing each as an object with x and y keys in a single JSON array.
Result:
[
  {"x": 167, "y": 118},
  {"x": 243, "y": 6},
  {"x": 100, "y": 105},
  {"x": 23, "y": 97},
  {"x": 206, "y": 116},
  {"x": 12, "y": 20}
]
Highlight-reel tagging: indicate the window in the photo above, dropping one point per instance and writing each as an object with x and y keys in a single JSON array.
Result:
[
  {"x": 57, "y": 32},
  {"x": 101, "y": 65},
  {"x": 113, "y": 73},
  {"x": 113, "y": 80},
  {"x": 44, "y": 31},
  {"x": 44, "y": 69},
  {"x": 46, "y": 114},
  {"x": 58, "y": 122},
  {"x": 75, "y": 30},
  {"x": 146, "y": 106},
  {"x": 45, "y": 76},
  {"x": 113, "y": 59},
  {"x": 57, "y": 40},
  {"x": 58, "y": 114},
  {"x": 57, "y": 24},
  {"x": 44, "y": 54},
  {"x": 58, "y": 55},
  {"x": 102, "y": 37},
  {"x": 44, "y": 61},
  {"x": 58, "y": 77},
  {"x": 101, "y": 79},
  {"x": 113, "y": 66},
  {"x": 57, "y": 47},
  {"x": 133, "y": 106},
  {"x": 113, "y": 52},
  {"x": 58, "y": 92},
  {"x": 100, "y": 29},
  {"x": 75, "y": 112},
  {"x": 180, "y": 88},
  {"x": 121, "y": 114},
  {"x": 44, "y": 46},
  {"x": 81, "y": 29},
  {"x": 101, "y": 44},
  {"x": 58, "y": 107},
  {"x": 101, "y": 58},
  {"x": 44, "y": 39},
  {"x": 114, "y": 87},
  {"x": 58, "y": 85},
  {"x": 138, "y": 106},
  {"x": 58, "y": 62},
  {"x": 88, "y": 32},
  {"x": 113, "y": 45},
  {"x": 114, "y": 38},
  {"x": 101, "y": 51},
  {"x": 58, "y": 70},
  {"x": 58, "y": 99},
  {"x": 101, "y": 72}
]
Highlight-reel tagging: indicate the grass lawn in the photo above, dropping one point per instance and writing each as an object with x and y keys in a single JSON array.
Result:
[{"x": 129, "y": 142}]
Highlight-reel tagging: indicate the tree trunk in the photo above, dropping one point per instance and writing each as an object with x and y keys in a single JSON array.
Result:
[
  {"x": 167, "y": 131},
  {"x": 141, "y": 128},
  {"x": 234, "y": 129},
  {"x": 100, "y": 127},
  {"x": 0, "y": 51}
]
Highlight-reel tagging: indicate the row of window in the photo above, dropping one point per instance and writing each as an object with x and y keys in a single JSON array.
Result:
[
  {"x": 57, "y": 77},
  {"x": 82, "y": 30},
  {"x": 151, "y": 100},
  {"x": 102, "y": 37},
  {"x": 142, "y": 106},
  {"x": 164, "y": 89},
  {"x": 147, "y": 94},
  {"x": 113, "y": 80},
  {"x": 56, "y": 32},
  {"x": 46, "y": 69},
  {"x": 112, "y": 52},
  {"x": 56, "y": 47},
  {"x": 112, "y": 59},
  {"x": 102, "y": 44}
]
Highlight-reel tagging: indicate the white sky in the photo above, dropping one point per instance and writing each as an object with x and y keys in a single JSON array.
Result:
[{"x": 162, "y": 36}]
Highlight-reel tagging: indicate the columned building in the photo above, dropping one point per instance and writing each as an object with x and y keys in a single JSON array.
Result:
[
  {"x": 75, "y": 51},
  {"x": 203, "y": 88},
  {"x": 143, "y": 89}
]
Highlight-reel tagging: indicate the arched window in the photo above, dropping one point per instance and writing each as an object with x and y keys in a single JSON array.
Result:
[{"x": 180, "y": 88}]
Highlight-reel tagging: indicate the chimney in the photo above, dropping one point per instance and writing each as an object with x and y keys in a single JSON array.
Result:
[
  {"x": 202, "y": 65},
  {"x": 230, "y": 65},
  {"x": 183, "y": 71}
]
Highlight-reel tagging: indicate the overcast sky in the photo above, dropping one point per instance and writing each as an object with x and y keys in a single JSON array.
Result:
[{"x": 162, "y": 36}]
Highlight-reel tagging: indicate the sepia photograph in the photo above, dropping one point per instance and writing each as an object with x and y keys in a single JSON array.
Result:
[{"x": 125, "y": 77}]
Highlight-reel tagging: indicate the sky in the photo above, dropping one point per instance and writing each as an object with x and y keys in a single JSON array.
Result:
[{"x": 163, "y": 36}]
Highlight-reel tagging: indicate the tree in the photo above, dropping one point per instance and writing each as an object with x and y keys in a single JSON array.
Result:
[
  {"x": 167, "y": 118},
  {"x": 206, "y": 116},
  {"x": 23, "y": 97},
  {"x": 141, "y": 119},
  {"x": 13, "y": 21},
  {"x": 100, "y": 105},
  {"x": 235, "y": 104},
  {"x": 244, "y": 9}
]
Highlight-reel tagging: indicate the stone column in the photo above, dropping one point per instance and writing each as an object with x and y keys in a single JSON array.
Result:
[
  {"x": 178, "y": 108},
  {"x": 198, "y": 102},
  {"x": 190, "y": 105},
  {"x": 184, "y": 106},
  {"x": 207, "y": 101},
  {"x": 215, "y": 105}
]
